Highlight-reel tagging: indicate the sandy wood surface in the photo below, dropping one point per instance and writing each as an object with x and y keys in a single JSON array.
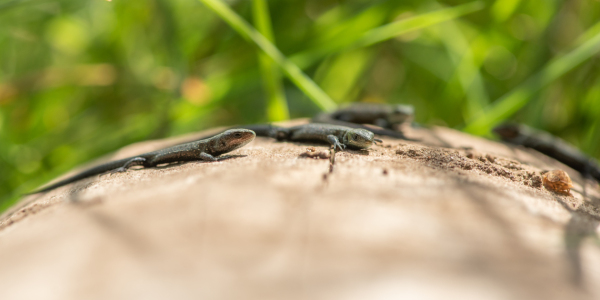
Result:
[{"x": 449, "y": 216}]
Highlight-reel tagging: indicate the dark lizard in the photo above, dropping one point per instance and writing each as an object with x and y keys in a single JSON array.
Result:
[
  {"x": 387, "y": 116},
  {"x": 339, "y": 137},
  {"x": 204, "y": 149},
  {"x": 519, "y": 134}
]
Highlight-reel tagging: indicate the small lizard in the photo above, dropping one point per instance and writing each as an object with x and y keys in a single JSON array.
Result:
[
  {"x": 382, "y": 115},
  {"x": 339, "y": 137},
  {"x": 519, "y": 134},
  {"x": 204, "y": 149},
  {"x": 387, "y": 116}
]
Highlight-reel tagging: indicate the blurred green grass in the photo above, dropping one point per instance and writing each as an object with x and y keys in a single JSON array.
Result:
[{"x": 79, "y": 79}]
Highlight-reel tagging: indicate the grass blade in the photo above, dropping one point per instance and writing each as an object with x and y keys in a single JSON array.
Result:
[
  {"x": 503, "y": 9},
  {"x": 277, "y": 108},
  {"x": 341, "y": 75},
  {"x": 309, "y": 57},
  {"x": 386, "y": 32},
  {"x": 467, "y": 69},
  {"x": 394, "y": 29},
  {"x": 518, "y": 97},
  {"x": 292, "y": 71}
]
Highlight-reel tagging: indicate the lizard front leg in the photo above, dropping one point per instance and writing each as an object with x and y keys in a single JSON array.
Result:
[{"x": 333, "y": 140}]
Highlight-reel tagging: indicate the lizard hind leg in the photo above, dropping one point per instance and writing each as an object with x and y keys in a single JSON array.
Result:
[
  {"x": 130, "y": 163},
  {"x": 207, "y": 157}
]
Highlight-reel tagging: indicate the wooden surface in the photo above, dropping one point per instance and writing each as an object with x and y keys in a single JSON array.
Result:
[{"x": 403, "y": 220}]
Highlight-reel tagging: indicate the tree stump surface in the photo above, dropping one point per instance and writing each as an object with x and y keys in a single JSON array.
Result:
[{"x": 449, "y": 216}]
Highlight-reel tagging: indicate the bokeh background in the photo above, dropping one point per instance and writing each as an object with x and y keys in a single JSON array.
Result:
[{"x": 81, "y": 78}]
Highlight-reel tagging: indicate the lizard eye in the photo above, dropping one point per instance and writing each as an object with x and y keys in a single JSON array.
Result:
[
  {"x": 355, "y": 137},
  {"x": 237, "y": 135}
]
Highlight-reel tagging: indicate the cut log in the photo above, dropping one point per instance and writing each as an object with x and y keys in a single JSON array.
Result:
[{"x": 449, "y": 217}]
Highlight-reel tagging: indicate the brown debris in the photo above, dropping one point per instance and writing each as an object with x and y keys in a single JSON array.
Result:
[
  {"x": 557, "y": 181},
  {"x": 533, "y": 180},
  {"x": 472, "y": 154},
  {"x": 311, "y": 152},
  {"x": 450, "y": 159}
]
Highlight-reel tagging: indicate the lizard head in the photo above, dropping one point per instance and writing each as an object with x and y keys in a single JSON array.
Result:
[
  {"x": 230, "y": 140},
  {"x": 358, "y": 138}
]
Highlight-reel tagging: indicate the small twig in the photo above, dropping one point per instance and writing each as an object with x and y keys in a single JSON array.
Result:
[{"x": 331, "y": 158}]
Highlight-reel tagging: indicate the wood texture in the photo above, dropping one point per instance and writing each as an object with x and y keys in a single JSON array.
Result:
[{"x": 426, "y": 220}]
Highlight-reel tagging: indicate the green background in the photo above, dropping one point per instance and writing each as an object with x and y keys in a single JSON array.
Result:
[{"x": 79, "y": 79}]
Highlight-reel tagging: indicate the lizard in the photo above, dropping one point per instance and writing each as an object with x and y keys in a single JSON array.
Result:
[
  {"x": 204, "y": 149},
  {"x": 519, "y": 134},
  {"x": 339, "y": 137},
  {"x": 387, "y": 116}
]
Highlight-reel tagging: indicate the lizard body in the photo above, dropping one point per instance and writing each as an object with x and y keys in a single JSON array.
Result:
[
  {"x": 519, "y": 134},
  {"x": 340, "y": 137},
  {"x": 204, "y": 149},
  {"x": 387, "y": 116},
  {"x": 382, "y": 115}
]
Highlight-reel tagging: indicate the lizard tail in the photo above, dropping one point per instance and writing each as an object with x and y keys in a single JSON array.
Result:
[
  {"x": 595, "y": 171},
  {"x": 85, "y": 174},
  {"x": 269, "y": 130}
]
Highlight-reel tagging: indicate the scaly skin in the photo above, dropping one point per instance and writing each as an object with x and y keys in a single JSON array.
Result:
[
  {"x": 382, "y": 115},
  {"x": 387, "y": 116},
  {"x": 519, "y": 134},
  {"x": 341, "y": 137},
  {"x": 204, "y": 149}
]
